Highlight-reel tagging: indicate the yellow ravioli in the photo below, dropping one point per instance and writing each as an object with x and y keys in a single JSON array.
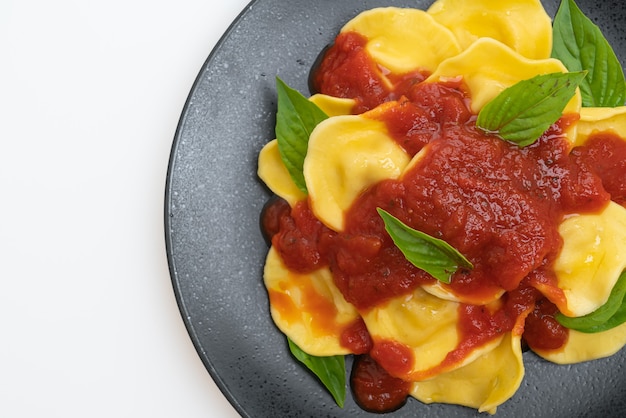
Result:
[
  {"x": 581, "y": 346},
  {"x": 522, "y": 25},
  {"x": 485, "y": 383},
  {"x": 404, "y": 40},
  {"x": 308, "y": 308},
  {"x": 270, "y": 166},
  {"x": 444, "y": 291},
  {"x": 427, "y": 325},
  {"x": 489, "y": 66},
  {"x": 275, "y": 175},
  {"x": 347, "y": 154},
  {"x": 591, "y": 260},
  {"x": 333, "y": 106},
  {"x": 600, "y": 119}
]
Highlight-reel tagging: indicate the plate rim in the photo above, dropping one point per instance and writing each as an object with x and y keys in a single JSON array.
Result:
[{"x": 167, "y": 213}]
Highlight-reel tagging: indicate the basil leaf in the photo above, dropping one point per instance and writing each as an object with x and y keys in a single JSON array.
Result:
[
  {"x": 330, "y": 370},
  {"x": 607, "y": 316},
  {"x": 295, "y": 120},
  {"x": 434, "y": 256},
  {"x": 580, "y": 45},
  {"x": 524, "y": 111},
  {"x": 616, "y": 320}
]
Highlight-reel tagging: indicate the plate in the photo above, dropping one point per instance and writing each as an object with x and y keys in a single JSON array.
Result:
[{"x": 216, "y": 251}]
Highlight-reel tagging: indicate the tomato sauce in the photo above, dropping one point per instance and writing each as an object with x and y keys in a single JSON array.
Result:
[
  {"x": 356, "y": 338},
  {"x": 271, "y": 215},
  {"x": 395, "y": 357},
  {"x": 541, "y": 330},
  {"x": 347, "y": 71},
  {"x": 605, "y": 155},
  {"x": 300, "y": 237},
  {"x": 374, "y": 389},
  {"x": 497, "y": 203}
]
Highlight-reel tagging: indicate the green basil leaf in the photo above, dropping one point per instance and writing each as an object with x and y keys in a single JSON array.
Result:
[
  {"x": 330, "y": 370},
  {"x": 295, "y": 120},
  {"x": 524, "y": 111},
  {"x": 434, "y": 256},
  {"x": 607, "y": 316},
  {"x": 580, "y": 45},
  {"x": 616, "y": 320}
]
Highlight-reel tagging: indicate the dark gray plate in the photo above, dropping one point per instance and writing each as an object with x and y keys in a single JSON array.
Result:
[{"x": 216, "y": 251}]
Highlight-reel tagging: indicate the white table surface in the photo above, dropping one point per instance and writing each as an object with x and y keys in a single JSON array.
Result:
[{"x": 90, "y": 95}]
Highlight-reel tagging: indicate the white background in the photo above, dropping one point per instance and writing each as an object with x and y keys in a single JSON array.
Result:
[{"x": 90, "y": 95}]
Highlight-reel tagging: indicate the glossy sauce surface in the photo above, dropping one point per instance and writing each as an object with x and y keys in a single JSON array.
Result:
[{"x": 374, "y": 389}]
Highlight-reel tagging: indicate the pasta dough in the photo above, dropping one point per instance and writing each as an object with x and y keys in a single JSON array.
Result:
[
  {"x": 592, "y": 258},
  {"x": 347, "y": 154},
  {"x": 392, "y": 34},
  {"x": 506, "y": 67},
  {"x": 522, "y": 25},
  {"x": 483, "y": 384},
  {"x": 297, "y": 303}
]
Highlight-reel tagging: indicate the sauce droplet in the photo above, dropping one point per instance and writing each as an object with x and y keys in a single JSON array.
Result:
[{"x": 374, "y": 389}]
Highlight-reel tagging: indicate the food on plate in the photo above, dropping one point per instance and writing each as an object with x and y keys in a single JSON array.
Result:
[{"x": 451, "y": 194}]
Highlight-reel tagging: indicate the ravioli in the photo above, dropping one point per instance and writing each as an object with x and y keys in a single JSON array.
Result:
[
  {"x": 270, "y": 166},
  {"x": 595, "y": 120},
  {"x": 483, "y": 384},
  {"x": 443, "y": 291},
  {"x": 346, "y": 154},
  {"x": 489, "y": 66},
  {"x": 581, "y": 346},
  {"x": 393, "y": 33},
  {"x": 425, "y": 324},
  {"x": 308, "y": 308},
  {"x": 592, "y": 258},
  {"x": 333, "y": 106},
  {"x": 420, "y": 321},
  {"x": 522, "y": 25},
  {"x": 275, "y": 175}
]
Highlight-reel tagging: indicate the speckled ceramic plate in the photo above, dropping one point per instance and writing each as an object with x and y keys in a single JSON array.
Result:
[{"x": 216, "y": 251}]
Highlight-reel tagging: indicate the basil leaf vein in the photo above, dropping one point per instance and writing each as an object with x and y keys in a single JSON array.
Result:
[
  {"x": 330, "y": 370},
  {"x": 580, "y": 45},
  {"x": 524, "y": 111},
  {"x": 295, "y": 120},
  {"x": 433, "y": 255},
  {"x": 607, "y": 316}
]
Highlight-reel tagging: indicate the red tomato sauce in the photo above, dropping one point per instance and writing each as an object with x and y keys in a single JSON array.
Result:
[
  {"x": 347, "y": 71},
  {"x": 605, "y": 155},
  {"x": 356, "y": 338},
  {"x": 393, "y": 356},
  {"x": 541, "y": 330},
  {"x": 498, "y": 204},
  {"x": 374, "y": 389}
]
